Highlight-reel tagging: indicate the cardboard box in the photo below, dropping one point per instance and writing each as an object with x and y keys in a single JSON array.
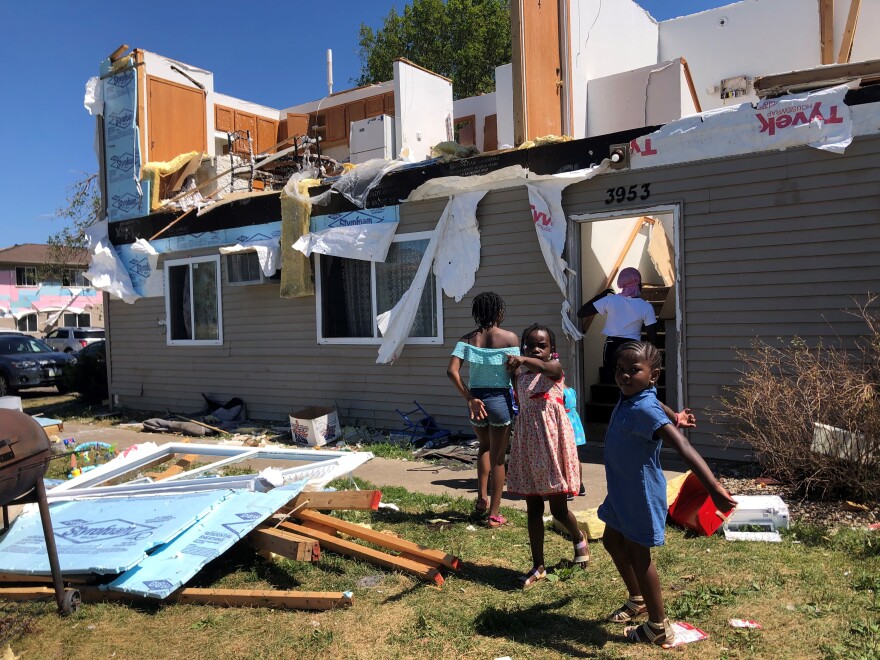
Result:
[{"x": 315, "y": 426}]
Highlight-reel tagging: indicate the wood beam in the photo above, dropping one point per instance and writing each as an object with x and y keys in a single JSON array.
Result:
[
  {"x": 294, "y": 600},
  {"x": 382, "y": 540},
  {"x": 286, "y": 544},
  {"x": 826, "y": 30},
  {"x": 351, "y": 549},
  {"x": 849, "y": 32},
  {"x": 327, "y": 500}
]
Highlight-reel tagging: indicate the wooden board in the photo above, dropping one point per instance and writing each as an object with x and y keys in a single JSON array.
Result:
[
  {"x": 382, "y": 540},
  {"x": 351, "y": 549},
  {"x": 294, "y": 600},
  {"x": 826, "y": 30},
  {"x": 849, "y": 32},
  {"x": 353, "y": 500},
  {"x": 286, "y": 544}
]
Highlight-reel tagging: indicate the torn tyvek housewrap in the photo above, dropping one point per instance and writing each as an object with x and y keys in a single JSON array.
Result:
[
  {"x": 396, "y": 323},
  {"x": 366, "y": 242},
  {"x": 545, "y": 198},
  {"x": 818, "y": 119},
  {"x": 106, "y": 272},
  {"x": 267, "y": 253}
]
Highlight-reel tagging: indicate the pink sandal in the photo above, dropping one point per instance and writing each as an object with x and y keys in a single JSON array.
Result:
[{"x": 496, "y": 521}]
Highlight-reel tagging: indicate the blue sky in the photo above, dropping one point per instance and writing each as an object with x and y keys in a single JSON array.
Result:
[{"x": 269, "y": 53}]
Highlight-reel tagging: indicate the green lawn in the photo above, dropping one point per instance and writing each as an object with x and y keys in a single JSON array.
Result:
[{"x": 814, "y": 594}]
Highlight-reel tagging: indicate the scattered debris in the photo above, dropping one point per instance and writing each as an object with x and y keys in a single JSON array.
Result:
[
  {"x": 744, "y": 623},
  {"x": 685, "y": 633}
]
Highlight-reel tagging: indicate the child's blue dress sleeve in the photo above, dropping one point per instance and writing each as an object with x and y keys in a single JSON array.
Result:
[{"x": 570, "y": 397}]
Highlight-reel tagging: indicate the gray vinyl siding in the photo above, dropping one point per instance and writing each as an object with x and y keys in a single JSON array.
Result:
[
  {"x": 271, "y": 359},
  {"x": 774, "y": 245}
]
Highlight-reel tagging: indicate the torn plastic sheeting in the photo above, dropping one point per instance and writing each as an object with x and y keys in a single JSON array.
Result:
[
  {"x": 105, "y": 536},
  {"x": 94, "y": 97},
  {"x": 170, "y": 566},
  {"x": 267, "y": 253},
  {"x": 356, "y": 184},
  {"x": 545, "y": 198},
  {"x": 106, "y": 271},
  {"x": 818, "y": 119},
  {"x": 365, "y": 242},
  {"x": 396, "y": 323}
]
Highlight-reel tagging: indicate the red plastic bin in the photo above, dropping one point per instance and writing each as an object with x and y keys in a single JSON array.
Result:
[{"x": 694, "y": 509}]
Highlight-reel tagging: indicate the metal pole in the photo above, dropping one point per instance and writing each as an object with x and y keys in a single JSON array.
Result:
[{"x": 43, "y": 504}]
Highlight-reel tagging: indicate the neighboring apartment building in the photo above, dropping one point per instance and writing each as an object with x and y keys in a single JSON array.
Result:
[{"x": 31, "y": 303}]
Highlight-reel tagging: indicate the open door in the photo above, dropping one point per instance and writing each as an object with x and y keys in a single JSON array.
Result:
[{"x": 607, "y": 245}]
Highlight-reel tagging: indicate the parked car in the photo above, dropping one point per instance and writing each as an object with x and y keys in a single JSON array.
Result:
[
  {"x": 70, "y": 340},
  {"x": 27, "y": 362},
  {"x": 88, "y": 375}
]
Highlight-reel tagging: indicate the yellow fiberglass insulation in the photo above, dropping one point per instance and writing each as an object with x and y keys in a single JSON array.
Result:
[
  {"x": 153, "y": 172},
  {"x": 296, "y": 211}
]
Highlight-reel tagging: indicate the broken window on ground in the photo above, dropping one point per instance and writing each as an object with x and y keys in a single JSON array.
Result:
[
  {"x": 192, "y": 301},
  {"x": 351, "y": 293}
]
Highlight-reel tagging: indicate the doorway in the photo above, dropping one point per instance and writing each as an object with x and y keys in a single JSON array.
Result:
[{"x": 606, "y": 244}]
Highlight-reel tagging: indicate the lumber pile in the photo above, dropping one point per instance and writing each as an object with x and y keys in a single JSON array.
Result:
[
  {"x": 297, "y": 532},
  {"x": 301, "y": 522}
]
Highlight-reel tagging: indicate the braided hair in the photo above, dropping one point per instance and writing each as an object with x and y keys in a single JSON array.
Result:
[
  {"x": 533, "y": 328},
  {"x": 488, "y": 309},
  {"x": 645, "y": 349}
]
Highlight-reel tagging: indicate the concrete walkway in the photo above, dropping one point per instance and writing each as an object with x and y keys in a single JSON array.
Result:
[{"x": 416, "y": 476}]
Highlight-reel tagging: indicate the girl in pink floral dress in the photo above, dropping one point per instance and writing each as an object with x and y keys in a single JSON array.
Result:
[{"x": 543, "y": 456}]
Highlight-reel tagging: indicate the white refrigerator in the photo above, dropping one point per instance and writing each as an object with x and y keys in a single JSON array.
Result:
[{"x": 372, "y": 138}]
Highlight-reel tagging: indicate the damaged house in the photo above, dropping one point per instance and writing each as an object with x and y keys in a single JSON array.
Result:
[
  {"x": 741, "y": 180},
  {"x": 37, "y": 297}
]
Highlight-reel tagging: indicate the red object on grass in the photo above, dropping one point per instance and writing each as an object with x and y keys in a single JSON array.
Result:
[{"x": 694, "y": 509}]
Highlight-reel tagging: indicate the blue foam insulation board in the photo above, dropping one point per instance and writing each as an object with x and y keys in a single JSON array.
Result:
[
  {"x": 172, "y": 565},
  {"x": 105, "y": 536}
]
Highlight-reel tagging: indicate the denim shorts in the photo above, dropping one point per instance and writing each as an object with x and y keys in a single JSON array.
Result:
[{"x": 498, "y": 405}]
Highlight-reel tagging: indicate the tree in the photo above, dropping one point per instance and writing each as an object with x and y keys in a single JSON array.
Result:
[
  {"x": 66, "y": 246},
  {"x": 461, "y": 39}
]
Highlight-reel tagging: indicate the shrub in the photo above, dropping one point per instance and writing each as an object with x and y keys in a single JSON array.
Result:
[{"x": 783, "y": 393}]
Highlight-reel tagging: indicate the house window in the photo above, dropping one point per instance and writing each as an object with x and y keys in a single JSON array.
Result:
[
  {"x": 192, "y": 301},
  {"x": 243, "y": 268},
  {"x": 26, "y": 276},
  {"x": 74, "y": 277},
  {"x": 352, "y": 292},
  {"x": 77, "y": 320},
  {"x": 28, "y": 323}
]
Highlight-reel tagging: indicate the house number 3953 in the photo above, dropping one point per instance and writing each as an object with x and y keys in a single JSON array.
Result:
[{"x": 623, "y": 194}]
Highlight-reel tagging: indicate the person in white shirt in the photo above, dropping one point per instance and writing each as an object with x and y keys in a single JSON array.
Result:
[{"x": 625, "y": 313}]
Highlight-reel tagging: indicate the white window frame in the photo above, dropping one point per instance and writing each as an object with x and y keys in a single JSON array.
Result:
[
  {"x": 261, "y": 279},
  {"x": 25, "y": 270},
  {"x": 376, "y": 339},
  {"x": 26, "y": 318},
  {"x": 189, "y": 261},
  {"x": 78, "y": 315}
]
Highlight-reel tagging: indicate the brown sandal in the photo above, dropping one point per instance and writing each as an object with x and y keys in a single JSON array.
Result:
[
  {"x": 660, "y": 634},
  {"x": 632, "y": 608},
  {"x": 582, "y": 552},
  {"x": 529, "y": 579}
]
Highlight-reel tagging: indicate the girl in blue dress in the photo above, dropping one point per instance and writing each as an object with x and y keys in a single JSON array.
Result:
[
  {"x": 490, "y": 406},
  {"x": 634, "y": 511}
]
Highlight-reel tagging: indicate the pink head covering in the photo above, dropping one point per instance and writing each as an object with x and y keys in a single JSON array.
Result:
[{"x": 630, "y": 282}]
